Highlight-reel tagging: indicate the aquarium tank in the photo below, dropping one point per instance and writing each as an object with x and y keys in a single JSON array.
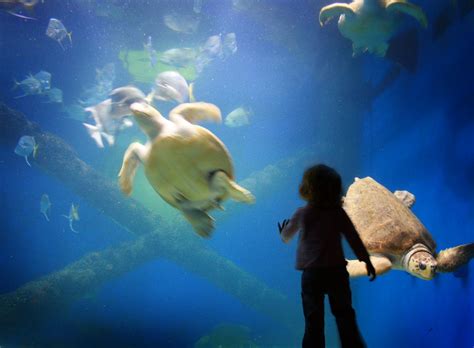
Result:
[{"x": 149, "y": 149}]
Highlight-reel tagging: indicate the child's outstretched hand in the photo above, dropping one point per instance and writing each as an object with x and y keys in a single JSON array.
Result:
[
  {"x": 283, "y": 225},
  {"x": 371, "y": 270}
]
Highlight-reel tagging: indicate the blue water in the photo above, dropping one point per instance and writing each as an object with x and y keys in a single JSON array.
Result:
[{"x": 311, "y": 102}]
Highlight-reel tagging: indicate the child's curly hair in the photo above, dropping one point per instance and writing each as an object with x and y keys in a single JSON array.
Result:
[{"x": 321, "y": 186}]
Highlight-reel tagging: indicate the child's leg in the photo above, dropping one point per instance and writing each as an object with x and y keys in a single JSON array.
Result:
[
  {"x": 313, "y": 307},
  {"x": 341, "y": 306}
]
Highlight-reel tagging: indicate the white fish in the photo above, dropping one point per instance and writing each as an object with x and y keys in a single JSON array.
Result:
[
  {"x": 45, "y": 206},
  {"x": 186, "y": 24},
  {"x": 216, "y": 47},
  {"x": 25, "y": 147},
  {"x": 197, "y": 6},
  {"x": 238, "y": 117},
  {"x": 73, "y": 216},
  {"x": 229, "y": 45},
  {"x": 170, "y": 85},
  {"x": 44, "y": 79},
  {"x": 57, "y": 31},
  {"x": 30, "y": 86},
  {"x": 109, "y": 115},
  {"x": 179, "y": 57},
  {"x": 55, "y": 95}
]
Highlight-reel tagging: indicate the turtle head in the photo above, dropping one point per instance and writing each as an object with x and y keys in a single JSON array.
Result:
[
  {"x": 419, "y": 261},
  {"x": 148, "y": 118}
]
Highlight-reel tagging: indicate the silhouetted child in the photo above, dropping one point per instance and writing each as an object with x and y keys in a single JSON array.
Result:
[{"x": 320, "y": 256}]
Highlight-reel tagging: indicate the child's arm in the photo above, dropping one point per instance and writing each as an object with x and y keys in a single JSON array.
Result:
[
  {"x": 353, "y": 238},
  {"x": 292, "y": 227}
]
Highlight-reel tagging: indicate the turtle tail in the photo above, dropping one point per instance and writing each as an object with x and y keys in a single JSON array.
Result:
[{"x": 451, "y": 259}]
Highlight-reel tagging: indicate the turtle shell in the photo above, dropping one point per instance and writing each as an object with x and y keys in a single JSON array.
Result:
[
  {"x": 180, "y": 165},
  {"x": 384, "y": 223}
]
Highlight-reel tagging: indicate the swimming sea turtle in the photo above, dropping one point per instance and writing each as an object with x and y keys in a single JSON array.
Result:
[
  {"x": 393, "y": 235},
  {"x": 187, "y": 165},
  {"x": 370, "y": 24}
]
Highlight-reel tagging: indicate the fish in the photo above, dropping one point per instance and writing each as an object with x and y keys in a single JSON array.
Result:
[
  {"x": 14, "y": 6},
  {"x": 45, "y": 206},
  {"x": 123, "y": 97},
  {"x": 44, "y": 79},
  {"x": 216, "y": 47},
  {"x": 229, "y": 44},
  {"x": 152, "y": 54},
  {"x": 25, "y": 147},
  {"x": 110, "y": 115},
  {"x": 55, "y": 95},
  {"x": 57, "y": 31},
  {"x": 186, "y": 24},
  {"x": 30, "y": 86},
  {"x": 73, "y": 216},
  {"x": 170, "y": 85},
  {"x": 197, "y": 6},
  {"x": 238, "y": 117},
  {"x": 179, "y": 57},
  {"x": 106, "y": 75}
]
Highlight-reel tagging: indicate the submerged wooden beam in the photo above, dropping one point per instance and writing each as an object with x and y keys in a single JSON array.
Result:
[{"x": 53, "y": 293}]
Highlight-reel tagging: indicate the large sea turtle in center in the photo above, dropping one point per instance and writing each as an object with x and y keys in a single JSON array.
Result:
[
  {"x": 393, "y": 235},
  {"x": 187, "y": 165}
]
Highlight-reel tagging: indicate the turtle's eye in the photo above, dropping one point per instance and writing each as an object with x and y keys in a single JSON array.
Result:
[{"x": 422, "y": 266}]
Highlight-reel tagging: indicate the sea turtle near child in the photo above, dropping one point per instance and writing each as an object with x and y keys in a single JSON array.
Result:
[
  {"x": 370, "y": 24},
  {"x": 393, "y": 235},
  {"x": 186, "y": 164}
]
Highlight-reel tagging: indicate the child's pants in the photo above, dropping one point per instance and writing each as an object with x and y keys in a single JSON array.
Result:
[{"x": 334, "y": 281}]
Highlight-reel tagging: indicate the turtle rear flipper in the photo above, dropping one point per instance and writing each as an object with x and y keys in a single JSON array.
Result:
[
  {"x": 357, "y": 268},
  {"x": 202, "y": 223},
  {"x": 451, "y": 259}
]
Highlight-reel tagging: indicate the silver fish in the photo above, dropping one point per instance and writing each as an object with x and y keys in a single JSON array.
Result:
[
  {"x": 55, "y": 95},
  {"x": 152, "y": 55},
  {"x": 170, "y": 85},
  {"x": 45, "y": 206},
  {"x": 25, "y": 147},
  {"x": 179, "y": 57},
  {"x": 110, "y": 115},
  {"x": 44, "y": 79},
  {"x": 197, "y": 6},
  {"x": 229, "y": 45},
  {"x": 30, "y": 86},
  {"x": 186, "y": 24},
  {"x": 72, "y": 216},
  {"x": 238, "y": 117},
  {"x": 57, "y": 31}
]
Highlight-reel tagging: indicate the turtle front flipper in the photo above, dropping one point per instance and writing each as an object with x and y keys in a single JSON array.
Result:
[
  {"x": 196, "y": 112},
  {"x": 221, "y": 184},
  {"x": 135, "y": 154},
  {"x": 408, "y": 9},
  {"x": 357, "y": 268},
  {"x": 451, "y": 259},
  {"x": 336, "y": 9}
]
